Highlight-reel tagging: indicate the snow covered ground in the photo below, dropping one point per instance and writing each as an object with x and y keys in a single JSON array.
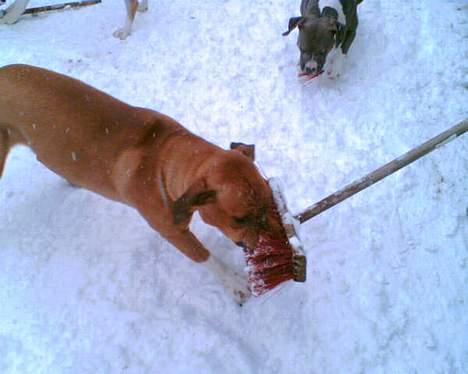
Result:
[{"x": 87, "y": 287}]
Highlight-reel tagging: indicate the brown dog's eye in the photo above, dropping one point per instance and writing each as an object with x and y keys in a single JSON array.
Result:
[{"x": 242, "y": 221}]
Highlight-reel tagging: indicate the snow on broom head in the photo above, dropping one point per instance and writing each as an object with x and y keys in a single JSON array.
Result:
[{"x": 279, "y": 259}]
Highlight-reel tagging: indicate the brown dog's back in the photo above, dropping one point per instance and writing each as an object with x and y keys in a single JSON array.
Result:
[{"x": 72, "y": 127}]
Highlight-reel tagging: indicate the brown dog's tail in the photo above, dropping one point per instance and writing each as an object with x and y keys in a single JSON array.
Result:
[
  {"x": 8, "y": 138},
  {"x": 4, "y": 148}
]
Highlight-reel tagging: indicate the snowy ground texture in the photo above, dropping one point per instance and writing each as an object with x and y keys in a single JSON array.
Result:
[{"x": 87, "y": 287}]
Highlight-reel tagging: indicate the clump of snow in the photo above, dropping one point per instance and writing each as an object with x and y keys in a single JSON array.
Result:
[{"x": 87, "y": 286}]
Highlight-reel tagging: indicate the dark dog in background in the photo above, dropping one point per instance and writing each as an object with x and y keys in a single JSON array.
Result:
[{"x": 325, "y": 34}]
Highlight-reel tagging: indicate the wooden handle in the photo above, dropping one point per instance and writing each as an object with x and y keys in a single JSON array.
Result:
[
  {"x": 49, "y": 8},
  {"x": 382, "y": 172}
]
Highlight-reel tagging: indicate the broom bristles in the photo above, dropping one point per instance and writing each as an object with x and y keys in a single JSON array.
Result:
[
  {"x": 269, "y": 264},
  {"x": 275, "y": 260}
]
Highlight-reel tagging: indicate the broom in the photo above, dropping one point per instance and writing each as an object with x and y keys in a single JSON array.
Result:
[
  {"x": 276, "y": 260},
  {"x": 55, "y": 7},
  {"x": 18, "y": 8}
]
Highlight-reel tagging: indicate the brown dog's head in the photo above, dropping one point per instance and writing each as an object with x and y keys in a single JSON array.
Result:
[
  {"x": 317, "y": 36},
  {"x": 232, "y": 196}
]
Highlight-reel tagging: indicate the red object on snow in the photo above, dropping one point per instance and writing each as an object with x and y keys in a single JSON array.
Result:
[{"x": 276, "y": 260}]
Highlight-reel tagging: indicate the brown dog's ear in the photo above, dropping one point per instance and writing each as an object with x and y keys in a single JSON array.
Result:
[
  {"x": 198, "y": 194},
  {"x": 247, "y": 150},
  {"x": 293, "y": 23}
]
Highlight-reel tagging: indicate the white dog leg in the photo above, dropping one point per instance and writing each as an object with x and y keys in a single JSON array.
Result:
[
  {"x": 335, "y": 64},
  {"x": 125, "y": 31}
]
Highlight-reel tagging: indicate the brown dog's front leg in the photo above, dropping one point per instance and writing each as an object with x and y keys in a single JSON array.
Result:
[
  {"x": 188, "y": 244},
  {"x": 183, "y": 239}
]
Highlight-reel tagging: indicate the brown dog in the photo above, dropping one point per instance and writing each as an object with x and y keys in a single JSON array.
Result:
[{"x": 139, "y": 157}]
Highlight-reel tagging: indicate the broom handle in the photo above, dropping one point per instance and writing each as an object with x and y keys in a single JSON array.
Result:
[
  {"x": 382, "y": 172},
  {"x": 49, "y": 8}
]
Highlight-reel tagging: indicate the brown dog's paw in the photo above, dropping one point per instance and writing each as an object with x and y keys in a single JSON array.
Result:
[
  {"x": 239, "y": 287},
  {"x": 241, "y": 296},
  {"x": 233, "y": 282}
]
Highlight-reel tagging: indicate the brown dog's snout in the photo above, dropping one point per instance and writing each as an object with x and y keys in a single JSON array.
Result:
[{"x": 249, "y": 239}]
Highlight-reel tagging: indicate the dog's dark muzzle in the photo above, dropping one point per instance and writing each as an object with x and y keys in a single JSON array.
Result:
[{"x": 314, "y": 71}]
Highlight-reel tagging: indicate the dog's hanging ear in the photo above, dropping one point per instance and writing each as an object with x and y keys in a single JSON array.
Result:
[
  {"x": 330, "y": 13},
  {"x": 197, "y": 194},
  {"x": 293, "y": 23},
  {"x": 247, "y": 150},
  {"x": 330, "y": 17}
]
